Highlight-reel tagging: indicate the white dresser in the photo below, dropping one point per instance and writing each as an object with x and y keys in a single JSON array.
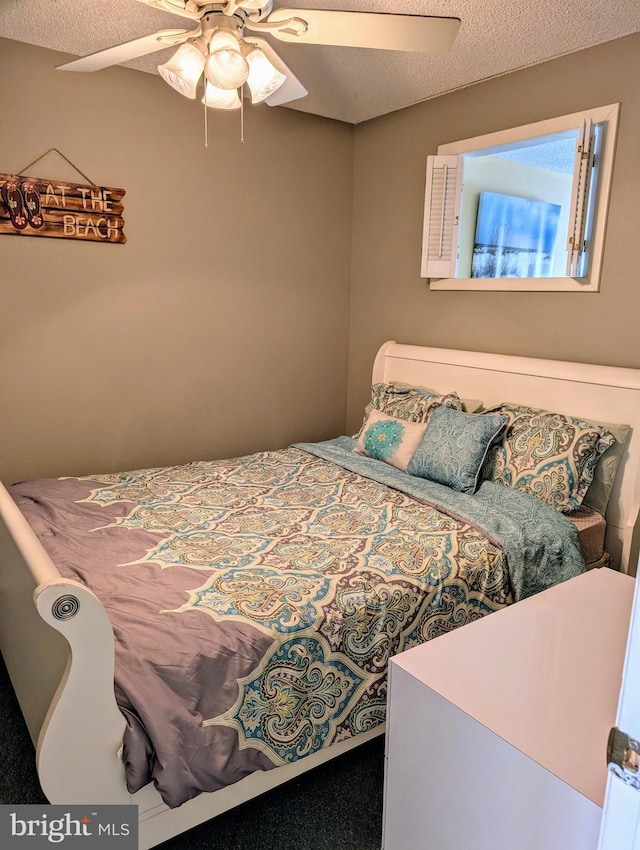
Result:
[{"x": 497, "y": 732}]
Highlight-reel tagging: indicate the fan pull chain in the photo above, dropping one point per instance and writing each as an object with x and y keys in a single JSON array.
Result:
[
  {"x": 242, "y": 115},
  {"x": 206, "y": 112}
]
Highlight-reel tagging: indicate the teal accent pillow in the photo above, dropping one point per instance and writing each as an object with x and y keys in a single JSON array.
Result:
[{"x": 454, "y": 447}]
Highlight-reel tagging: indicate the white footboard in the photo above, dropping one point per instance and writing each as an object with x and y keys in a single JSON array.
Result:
[{"x": 58, "y": 646}]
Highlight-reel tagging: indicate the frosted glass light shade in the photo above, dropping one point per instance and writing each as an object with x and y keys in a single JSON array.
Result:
[
  {"x": 263, "y": 77},
  {"x": 216, "y": 98},
  {"x": 183, "y": 70},
  {"x": 226, "y": 67}
]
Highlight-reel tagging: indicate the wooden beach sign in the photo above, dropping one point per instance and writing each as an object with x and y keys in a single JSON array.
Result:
[{"x": 33, "y": 206}]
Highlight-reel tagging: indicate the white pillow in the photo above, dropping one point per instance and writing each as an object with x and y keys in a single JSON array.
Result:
[{"x": 389, "y": 439}]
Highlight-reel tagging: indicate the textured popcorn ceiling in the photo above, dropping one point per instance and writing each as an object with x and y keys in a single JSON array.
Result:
[
  {"x": 349, "y": 84},
  {"x": 552, "y": 156}
]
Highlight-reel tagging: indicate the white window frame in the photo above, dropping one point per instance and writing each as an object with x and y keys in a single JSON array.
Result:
[{"x": 440, "y": 267}]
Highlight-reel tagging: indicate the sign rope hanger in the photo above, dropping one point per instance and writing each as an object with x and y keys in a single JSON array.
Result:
[{"x": 66, "y": 159}]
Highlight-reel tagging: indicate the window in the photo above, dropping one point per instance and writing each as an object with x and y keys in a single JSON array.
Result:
[{"x": 521, "y": 209}]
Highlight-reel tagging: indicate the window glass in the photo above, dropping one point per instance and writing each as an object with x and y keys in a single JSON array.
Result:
[
  {"x": 514, "y": 216},
  {"x": 523, "y": 208}
]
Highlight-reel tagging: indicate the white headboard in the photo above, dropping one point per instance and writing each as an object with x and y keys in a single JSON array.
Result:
[{"x": 603, "y": 393}]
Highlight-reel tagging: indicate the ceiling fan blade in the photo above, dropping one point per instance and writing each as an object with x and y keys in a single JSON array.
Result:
[
  {"x": 292, "y": 88},
  {"x": 411, "y": 33},
  {"x": 129, "y": 50},
  {"x": 175, "y": 7}
]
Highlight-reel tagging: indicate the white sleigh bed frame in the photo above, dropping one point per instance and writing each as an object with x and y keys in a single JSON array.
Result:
[{"x": 58, "y": 643}]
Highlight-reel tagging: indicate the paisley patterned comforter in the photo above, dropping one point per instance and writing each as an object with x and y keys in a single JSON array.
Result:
[{"x": 256, "y": 601}]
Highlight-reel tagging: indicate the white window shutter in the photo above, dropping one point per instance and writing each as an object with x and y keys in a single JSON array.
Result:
[
  {"x": 583, "y": 166},
  {"x": 441, "y": 214}
]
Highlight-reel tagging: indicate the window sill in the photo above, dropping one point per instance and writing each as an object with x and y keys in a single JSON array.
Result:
[{"x": 510, "y": 284}]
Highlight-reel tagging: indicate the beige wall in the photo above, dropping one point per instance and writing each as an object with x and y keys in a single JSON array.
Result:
[
  {"x": 220, "y": 327},
  {"x": 389, "y": 300},
  {"x": 224, "y": 325}
]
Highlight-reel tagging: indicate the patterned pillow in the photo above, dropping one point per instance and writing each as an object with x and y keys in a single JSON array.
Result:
[
  {"x": 454, "y": 447},
  {"x": 469, "y": 405},
  {"x": 549, "y": 455},
  {"x": 389, "y": 439},
  {"x": 412, "y": 404}
]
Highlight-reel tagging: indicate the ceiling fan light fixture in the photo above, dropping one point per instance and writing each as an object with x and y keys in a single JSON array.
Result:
[
  {"x": 216, "y": 98},
  {"x": 226, "y": 67},
  {"x": 184, "y": 69},
  {"x": 264, "y": 78}
]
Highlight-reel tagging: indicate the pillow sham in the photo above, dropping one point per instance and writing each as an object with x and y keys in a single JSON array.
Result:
[
  {"x": 548, "y": 455},
  {"x": 389, "y": 439},
  {"x": 469, "y": 405},
  {"x": 412, "y": 404},
  {"x": 597, "y": 496},
  {"x": 454, "y": 446}
]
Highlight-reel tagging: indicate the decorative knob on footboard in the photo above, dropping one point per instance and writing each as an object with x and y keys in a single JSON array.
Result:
[{"x": 65, "y": 607}]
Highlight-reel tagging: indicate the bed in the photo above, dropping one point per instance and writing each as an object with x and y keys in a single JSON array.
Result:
[{"x": 267, "y": 560}]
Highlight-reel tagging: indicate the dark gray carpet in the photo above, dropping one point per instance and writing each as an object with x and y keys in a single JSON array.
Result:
[{"x": 338, "y": 806}]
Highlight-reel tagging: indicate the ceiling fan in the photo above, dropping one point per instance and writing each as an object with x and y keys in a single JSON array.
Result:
[{"x": 218, "y": 49}]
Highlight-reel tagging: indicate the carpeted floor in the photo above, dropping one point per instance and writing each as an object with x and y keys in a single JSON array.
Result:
[{"x": 338, "y": 806}]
